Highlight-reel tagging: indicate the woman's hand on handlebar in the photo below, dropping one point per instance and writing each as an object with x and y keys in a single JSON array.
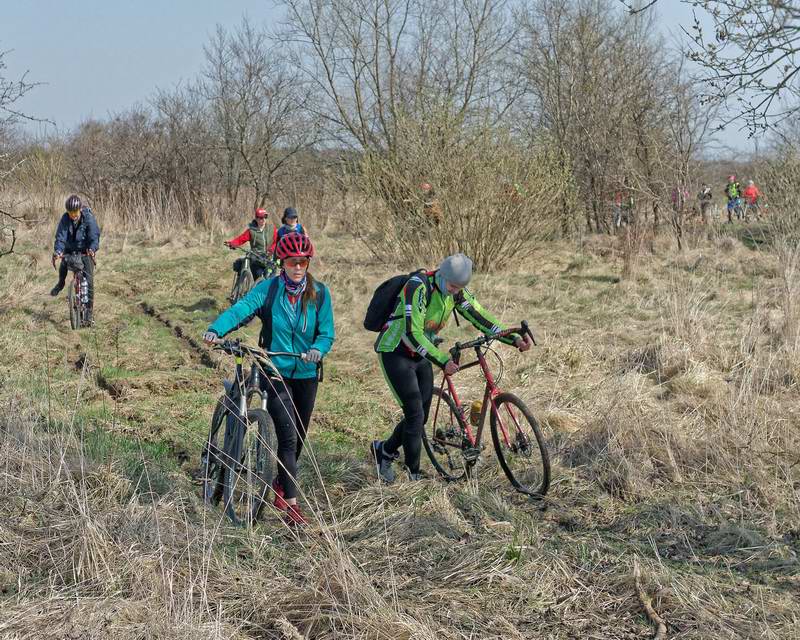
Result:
[
  {"x": 312, "y": 355},
  {"x": 209, "y": 337},
  {"x": 524, "y": 343},
  {"x": 450, "y": 368}
]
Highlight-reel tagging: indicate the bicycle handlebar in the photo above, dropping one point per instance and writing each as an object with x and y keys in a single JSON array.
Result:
[
  {"x": 265, "y": 257},
  {"x": 523, "y": 329},
  {"x": 236, "y": 348}
]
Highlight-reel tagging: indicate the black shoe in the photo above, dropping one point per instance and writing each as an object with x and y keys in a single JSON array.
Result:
[
  {"x": 57, "y": 289},
  {"x": 383, "y": 461}
]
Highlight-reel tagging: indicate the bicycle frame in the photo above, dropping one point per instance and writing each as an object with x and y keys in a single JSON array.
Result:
[{"x": 490, "y": 392}]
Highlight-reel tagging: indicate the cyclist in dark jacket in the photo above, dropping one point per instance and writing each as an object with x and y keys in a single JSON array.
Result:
[{"x": 77, "y": 232}]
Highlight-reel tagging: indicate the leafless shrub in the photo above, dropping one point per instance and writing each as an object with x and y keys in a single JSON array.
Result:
[{"x": 484, "y": 186}]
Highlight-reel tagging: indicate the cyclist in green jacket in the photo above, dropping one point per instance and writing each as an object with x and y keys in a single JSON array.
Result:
[{"x": 406, "y": 351}]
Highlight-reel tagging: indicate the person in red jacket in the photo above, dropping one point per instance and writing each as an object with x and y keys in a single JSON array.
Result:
[
  {"x": 256, "y": 234},
  {"x": 751, "y": 196}
]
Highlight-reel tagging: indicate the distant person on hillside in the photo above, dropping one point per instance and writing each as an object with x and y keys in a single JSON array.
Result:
[
  {"x": 751, "y": 195},
  {"x": 77, "y": 232},
  {"x": 705, "y": 197},
  {"x": 290, "y": 223},
  {"x": 256, "y": 234},
  {"x": 623, "y": 206},
  {"x": 733, "y": 191},
  {"x": 430, "y": 203}
]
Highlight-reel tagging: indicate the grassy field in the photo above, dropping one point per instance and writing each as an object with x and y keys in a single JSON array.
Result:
[{"x": 670, "y": 402}]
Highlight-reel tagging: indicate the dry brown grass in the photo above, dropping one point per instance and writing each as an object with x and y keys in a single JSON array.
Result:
[{"x": 669, "y": 400}]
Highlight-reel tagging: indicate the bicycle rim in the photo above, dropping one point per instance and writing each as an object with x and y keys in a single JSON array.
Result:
[
  {"x": 520, "y": 446},
  {"x": 246, "y": 474},
  {"x": 443, "y": 438},
  {"x": 211, "y": 456}
]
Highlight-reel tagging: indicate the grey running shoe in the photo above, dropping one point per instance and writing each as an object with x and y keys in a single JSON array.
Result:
[{"x": 383, "y": 461}]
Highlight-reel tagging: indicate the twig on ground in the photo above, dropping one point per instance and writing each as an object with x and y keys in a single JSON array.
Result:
[{"x": 656, "y": 620}]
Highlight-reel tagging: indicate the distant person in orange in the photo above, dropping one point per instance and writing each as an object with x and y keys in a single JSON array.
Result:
[
  {"x": 751, "y": 196},
  {"x": 430, "y": 204}
]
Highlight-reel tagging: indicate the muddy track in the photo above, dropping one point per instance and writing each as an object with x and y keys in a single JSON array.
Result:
[{"x": 200, "y": 352}]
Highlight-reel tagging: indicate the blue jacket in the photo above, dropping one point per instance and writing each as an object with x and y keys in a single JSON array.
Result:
[
  {"x": 77, "y": 237},
  {"x": 284, "y": 229},
  {"x": 292, "y": 330}
]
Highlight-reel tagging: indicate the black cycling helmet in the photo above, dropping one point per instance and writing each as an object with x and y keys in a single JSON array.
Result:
[
  {"x": 288, "y": 214},
  {"x": 73, "y": 203}
]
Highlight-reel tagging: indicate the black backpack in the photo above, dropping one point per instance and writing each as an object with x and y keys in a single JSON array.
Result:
[{"x": 384, "y": 299}]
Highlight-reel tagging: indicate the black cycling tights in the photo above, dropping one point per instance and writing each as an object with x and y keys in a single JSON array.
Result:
[
  {"x": 299, "y": 393},
  {"x": 411, "y": 380}
]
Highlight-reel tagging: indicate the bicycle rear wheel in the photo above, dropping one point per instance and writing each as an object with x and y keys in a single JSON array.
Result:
[
  {"x": 249, "y": 467},
  {"x": 73, "y": 301},
  {"x": 520, "y": 445},
  {"x": 444, "y": 438}
]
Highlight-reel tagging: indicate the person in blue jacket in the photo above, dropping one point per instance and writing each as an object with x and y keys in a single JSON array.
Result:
[
  {"x": 299, "y": 319},
  {"x": 77, "y": 232},
  {"x": 289, "y": 223}
]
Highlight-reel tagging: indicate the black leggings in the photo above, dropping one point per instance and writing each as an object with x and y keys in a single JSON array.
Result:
[
  {"x": 411, "y": 381},
  {"x": 257, "y": 269},
  {"x": 88, "y": 272},
  {"x": 299, "y": 393}
]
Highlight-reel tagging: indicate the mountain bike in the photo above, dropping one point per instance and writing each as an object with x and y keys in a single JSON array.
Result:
[
  {"x": 78, "y": 292},
  {"x": 454, "y": 449},
  {"x": 243, "y": 279},
  {"x": 238, "y": 462}
]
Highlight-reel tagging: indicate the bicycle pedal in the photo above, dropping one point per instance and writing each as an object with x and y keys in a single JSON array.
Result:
[{"x": 471, "y": 454}]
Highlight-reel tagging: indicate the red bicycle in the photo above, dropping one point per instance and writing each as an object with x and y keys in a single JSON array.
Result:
[{"x": 453, "y": 448}]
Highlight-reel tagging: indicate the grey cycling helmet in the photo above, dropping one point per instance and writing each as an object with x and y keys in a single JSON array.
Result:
[{"x": 73, "y": 203}]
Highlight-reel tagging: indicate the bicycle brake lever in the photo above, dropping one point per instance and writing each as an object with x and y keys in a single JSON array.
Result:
[
  {"x": 527, "y": 330},
  {"x": 455, "y": 353}
]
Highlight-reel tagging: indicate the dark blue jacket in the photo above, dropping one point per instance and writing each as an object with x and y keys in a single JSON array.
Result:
[
  {"x": 285, "y": 229},
  {"x": 80, "y": 236}
]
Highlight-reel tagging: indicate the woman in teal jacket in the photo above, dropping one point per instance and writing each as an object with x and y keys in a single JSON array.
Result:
[{"x": 296, "y": 316}]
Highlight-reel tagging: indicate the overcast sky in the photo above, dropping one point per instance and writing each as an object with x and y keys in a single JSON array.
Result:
[{"x": 97, "y": 57}]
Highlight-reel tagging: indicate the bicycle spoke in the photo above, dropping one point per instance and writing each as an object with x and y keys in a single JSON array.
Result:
[
  {"x": 520, "y": 445},
  {"x": 444, "y": 439}
]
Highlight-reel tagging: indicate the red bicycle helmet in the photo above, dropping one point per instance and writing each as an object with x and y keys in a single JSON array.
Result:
[
  {"x": 261, "y": 213},
  {"x": 294, "y": 245}
]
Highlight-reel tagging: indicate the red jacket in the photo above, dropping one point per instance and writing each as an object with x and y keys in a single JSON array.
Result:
[
  {"x": 238, "y": 241},
  {"x": 751, "y": 194}
]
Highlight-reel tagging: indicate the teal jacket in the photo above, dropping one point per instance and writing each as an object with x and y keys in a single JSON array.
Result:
[{"x": 292, "y": 330}]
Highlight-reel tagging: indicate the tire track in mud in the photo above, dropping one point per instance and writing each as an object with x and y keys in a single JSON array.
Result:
[{"x": 200, "y": 353}]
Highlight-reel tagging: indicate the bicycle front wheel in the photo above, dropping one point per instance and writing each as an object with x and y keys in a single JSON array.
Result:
[
  {"x": 74, "y": 306},
  {"x": 243, "y": 285},
  {"x": 211, "y": 459},
  {"x": 444, "y": 438},
  {"x": 249, "y": 467},
  {"x": 520, "y": 445}
]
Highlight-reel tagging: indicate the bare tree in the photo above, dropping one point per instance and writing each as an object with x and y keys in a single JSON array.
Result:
[
  {"x": 11, "y": 91},
  {"x": 593, "y": 75},
  {"x": 749, "y": 56},
  {"x": 259, "y": 109},
  {"x": 375, "y": 61}
]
